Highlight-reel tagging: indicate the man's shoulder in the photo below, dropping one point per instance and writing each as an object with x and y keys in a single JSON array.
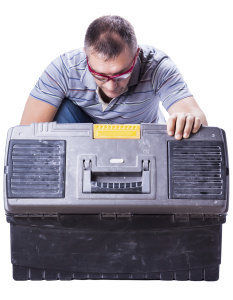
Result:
[
  {"x": 74, "y": 57},
  {"x": 151, "y": 54},
  {"x": 73, "y": 62}
]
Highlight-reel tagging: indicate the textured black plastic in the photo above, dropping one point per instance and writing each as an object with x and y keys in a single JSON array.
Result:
[
  {"x": 116, "y": 247},
  {"x": 196, "y": 170},
  {"x": 36, "y": 169}
]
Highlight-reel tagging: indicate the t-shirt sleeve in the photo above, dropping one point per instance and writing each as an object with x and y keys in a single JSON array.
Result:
[
  {"x": 52, "y": 85},
  {"x": 169, "y": 84}
]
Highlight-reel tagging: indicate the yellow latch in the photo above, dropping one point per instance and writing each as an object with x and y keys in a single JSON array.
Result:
[{"x": 124, "y": 131}]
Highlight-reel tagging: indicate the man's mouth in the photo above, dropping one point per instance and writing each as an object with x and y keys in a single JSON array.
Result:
[{"x": 116, "y": 91}]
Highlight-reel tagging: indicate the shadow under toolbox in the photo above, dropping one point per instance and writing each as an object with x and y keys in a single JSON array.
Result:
[{"x": 91, "y": 201}]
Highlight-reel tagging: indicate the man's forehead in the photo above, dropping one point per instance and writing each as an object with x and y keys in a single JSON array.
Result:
[
  {"x": 91, "y": 53},
  {"x": 115, "y": 65}
]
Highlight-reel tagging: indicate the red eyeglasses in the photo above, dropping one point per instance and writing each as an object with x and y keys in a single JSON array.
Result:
[{"x": 118, "y": 77}]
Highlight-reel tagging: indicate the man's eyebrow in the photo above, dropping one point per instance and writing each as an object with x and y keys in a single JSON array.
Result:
[{"x": 122, "y": 71}]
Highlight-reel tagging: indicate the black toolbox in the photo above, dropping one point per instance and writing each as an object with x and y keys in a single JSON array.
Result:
[{"x": 115, "y": 202}]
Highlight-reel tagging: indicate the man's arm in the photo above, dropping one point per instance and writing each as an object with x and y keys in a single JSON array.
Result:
[
  {"x": 37, "y": 111},
  {"x": 185, "y": 117}
]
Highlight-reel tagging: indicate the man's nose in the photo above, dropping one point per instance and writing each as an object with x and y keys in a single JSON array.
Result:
[{"x": 111, "y": 85}]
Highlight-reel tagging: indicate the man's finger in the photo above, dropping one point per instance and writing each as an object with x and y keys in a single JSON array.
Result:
[
  {"x": 196, "y": 125},
  {"x": 189, "y": 123},
  {"x": 180, "y": 124},
  {"x": 171, "y": 124}
]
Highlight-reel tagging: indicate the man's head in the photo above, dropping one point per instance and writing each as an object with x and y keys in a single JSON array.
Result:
[
  {"x": 109, "y": 36},
  {"x": 111, "y": 47}
]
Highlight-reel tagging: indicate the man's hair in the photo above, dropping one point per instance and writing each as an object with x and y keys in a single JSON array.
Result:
[{"x": 109, "y": 36}]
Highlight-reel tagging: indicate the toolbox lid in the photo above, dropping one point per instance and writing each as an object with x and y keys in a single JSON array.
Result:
[{"x": 127, "y": 169}]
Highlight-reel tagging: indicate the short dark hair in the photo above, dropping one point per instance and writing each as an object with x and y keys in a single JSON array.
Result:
[{"x": 110, "y": 35}]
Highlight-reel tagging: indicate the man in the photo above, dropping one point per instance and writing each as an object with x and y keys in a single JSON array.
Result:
[{"x": 113, "y": 80}]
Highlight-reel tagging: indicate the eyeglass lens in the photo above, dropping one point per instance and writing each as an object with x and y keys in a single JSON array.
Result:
[{"x": 118, "y": 78}]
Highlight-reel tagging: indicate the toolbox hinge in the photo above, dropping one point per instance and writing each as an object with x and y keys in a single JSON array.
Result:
[{"x": 115, "y": 216}]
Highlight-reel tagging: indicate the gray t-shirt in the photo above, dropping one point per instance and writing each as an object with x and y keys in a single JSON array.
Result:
[{"x": 154, "y": 78}]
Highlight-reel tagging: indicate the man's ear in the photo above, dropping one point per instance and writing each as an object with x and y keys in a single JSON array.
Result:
[{"x": 84, "y": 50}]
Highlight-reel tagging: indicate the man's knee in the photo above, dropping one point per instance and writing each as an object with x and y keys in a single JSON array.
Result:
[{"x": 69, "y": 112}]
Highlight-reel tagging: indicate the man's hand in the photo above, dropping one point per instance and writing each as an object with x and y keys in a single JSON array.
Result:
[
  {"x": 182, "y": 124},
  {"x": 185, "y": 117}
]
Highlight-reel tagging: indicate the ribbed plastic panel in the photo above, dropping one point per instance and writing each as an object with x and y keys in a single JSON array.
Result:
[
  {"x": 36, "y": 169},
  {"x": 113, "y": 187},
  {"x": 24, "y": 273},
  {"x": 196, "y": 170}
]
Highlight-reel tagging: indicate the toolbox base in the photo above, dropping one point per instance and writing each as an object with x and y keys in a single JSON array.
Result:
[
  {"x": 152, "y": 247},
  {"x": 23, "y": 273}
]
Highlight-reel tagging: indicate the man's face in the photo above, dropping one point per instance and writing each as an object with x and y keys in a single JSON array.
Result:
[{"x": 111, "y": 67}]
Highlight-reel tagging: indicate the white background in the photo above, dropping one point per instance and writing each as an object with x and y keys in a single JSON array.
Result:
[{"x": 198, "y": 37}]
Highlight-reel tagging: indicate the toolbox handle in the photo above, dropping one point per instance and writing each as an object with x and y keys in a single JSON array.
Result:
[
  {"x": 119, "y": 187},
  {"x": 131, "y": 187}
]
